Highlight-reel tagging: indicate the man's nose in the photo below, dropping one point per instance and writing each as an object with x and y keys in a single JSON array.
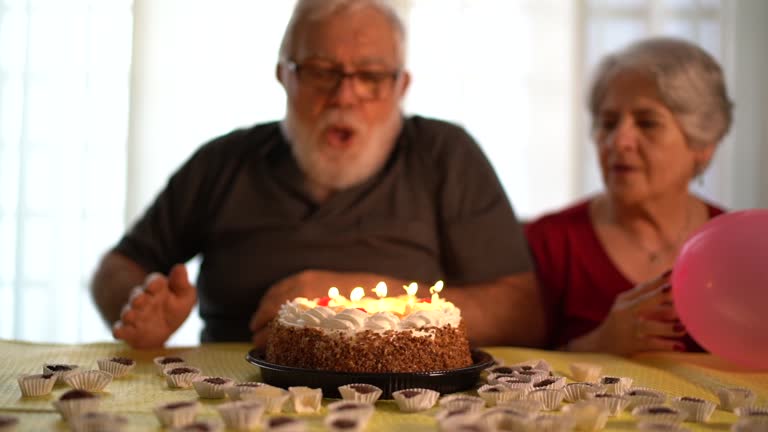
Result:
[{"x": 344, "y": 93}]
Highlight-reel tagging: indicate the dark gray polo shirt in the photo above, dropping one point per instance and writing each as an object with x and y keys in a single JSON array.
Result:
[{"x": 435, "y": 211}]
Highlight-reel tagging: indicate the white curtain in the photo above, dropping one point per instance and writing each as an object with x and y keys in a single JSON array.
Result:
[{"x": 512, "y": 72}]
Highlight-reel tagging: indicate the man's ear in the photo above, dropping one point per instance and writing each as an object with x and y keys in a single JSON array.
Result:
[{"x": 406, "y": 82}]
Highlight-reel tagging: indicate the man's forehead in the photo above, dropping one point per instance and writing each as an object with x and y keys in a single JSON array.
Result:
[{"x": 358, "y": 37}]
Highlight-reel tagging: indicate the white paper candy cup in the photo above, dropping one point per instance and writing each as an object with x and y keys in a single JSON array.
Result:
[
  {"x": 305, "y": 399},
  {"x": 414, "y": 400},
  {"x": 91, "y": 380},
  {"x": 34, "y": 385},
  {"x": 177, "y": 414},
  {"x": 117, "y": 366},
  {"x": 242, "y": 415},
  {"x": 360, "y": 392},
  {"x": 697, "y": 410}
]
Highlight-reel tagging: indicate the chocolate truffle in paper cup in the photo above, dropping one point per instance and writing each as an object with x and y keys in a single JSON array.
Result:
[
  {"x": 415, "y": 399},
  {"x": 346, "y": 406},
  {"x": 175, "y": 414},
  {"x": 658, "y": 414},
  {"x": 8, "y": 423},
  {"x": 200, "y": 426},
  {"x": 76, "y": 402},
  {"x": 284, "y": 424},
  {"x": 498, "y": 393},
  {"x": 34, "y": 385},
  {"x": 97, "y": 422},
  {"x": 117, "y": 366},
  {"x": 181, "y": 377},
  {"x": 644, "y": 396},
  {"x": 551, "y": 382},
  {"x": 305, "y": 399},
  {"x": 582, "y": 391},
  {"x": 242, "y": 415},
  {"x": 585, "y": 372},
  {"x": 60, "y": 370},
  {"x": 616, "y": 385},
  {"x": 506, "y": 419},
  {"x": 696, "y": 409},
  {"x": 360, "y": 392},
  {"x": 345, "y": 421},
  {"x": 164, "y": 362},
  {"x": 735, "y": 397},
  {"x": 91, "y": 380},
  {"x": 212, "y": 387}
]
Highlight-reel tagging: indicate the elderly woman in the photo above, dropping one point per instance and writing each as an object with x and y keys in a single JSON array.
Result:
[{"x": 659, "y": 109}]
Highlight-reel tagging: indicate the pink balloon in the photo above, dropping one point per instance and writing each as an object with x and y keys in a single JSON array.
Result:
[{"x": 720, "y": 287}]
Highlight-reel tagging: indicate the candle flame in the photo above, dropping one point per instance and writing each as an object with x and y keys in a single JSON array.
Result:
[
  {"x": 381, "y": 289},
  {"x": 333, "y": 292},
  {"x": 411, "y": 288},
  {"x": 437, "y": 287},
  {"x": 357, "y": 294}
]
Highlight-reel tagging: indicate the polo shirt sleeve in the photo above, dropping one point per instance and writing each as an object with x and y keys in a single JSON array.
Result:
[
  {"x": 481, "y": 238},
  {"x": 171, "y": 231}
]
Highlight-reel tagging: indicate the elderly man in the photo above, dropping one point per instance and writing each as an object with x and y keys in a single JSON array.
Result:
[{"x": 343, "y": 192}]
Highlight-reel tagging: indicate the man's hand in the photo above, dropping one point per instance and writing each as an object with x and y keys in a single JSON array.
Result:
[
  {"x": 156, "y": 309},
  {"x": 310, "y": 284}
]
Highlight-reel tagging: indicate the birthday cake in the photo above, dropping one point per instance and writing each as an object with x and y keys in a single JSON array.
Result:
[{"x": 386, "y": 334}]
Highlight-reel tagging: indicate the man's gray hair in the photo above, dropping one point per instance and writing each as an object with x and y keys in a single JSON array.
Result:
[
  {"x": 316, "y": 10},
  {"x": 689, "y": 80}
]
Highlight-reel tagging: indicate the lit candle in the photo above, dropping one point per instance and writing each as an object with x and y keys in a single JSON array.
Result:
[
  {"x": 357, "y": 294},
  {"x": 411, "y": 290},
  {"x": 435, "y": 290},
  {"x": 333, "y": 292},
  {"x": 380, "y": 290}
]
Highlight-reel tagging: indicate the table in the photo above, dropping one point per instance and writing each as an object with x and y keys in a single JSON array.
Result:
[{"x": 678, "y": 374}]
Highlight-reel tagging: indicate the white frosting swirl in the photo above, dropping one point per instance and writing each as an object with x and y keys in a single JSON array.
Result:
[{"x": 388, "y": 314}]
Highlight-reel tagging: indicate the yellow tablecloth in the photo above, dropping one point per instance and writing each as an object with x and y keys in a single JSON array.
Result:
[{"x": 697, "y": 375}]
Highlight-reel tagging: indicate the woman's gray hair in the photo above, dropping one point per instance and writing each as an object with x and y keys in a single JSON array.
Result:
[
  {"x": 316, "y": 10},
  {"x": 690, "y": 82}
]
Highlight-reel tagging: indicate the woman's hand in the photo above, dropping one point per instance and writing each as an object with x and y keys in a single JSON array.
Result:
[{"x": 641, "y": 319}]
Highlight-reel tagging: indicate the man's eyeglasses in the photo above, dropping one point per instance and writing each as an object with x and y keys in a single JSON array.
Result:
[{"x": 367, "y": 84}]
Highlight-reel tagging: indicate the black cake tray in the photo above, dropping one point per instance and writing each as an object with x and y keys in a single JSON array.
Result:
[{"x": 443, "y": 381}]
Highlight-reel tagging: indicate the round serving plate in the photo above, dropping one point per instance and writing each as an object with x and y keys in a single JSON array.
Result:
[{"x": 444, "y": 381}]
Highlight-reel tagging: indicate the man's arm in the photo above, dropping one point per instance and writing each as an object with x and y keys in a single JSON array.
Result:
[
  {"x": 506, "y": 311},
  {"x": 112, "y": 283}
]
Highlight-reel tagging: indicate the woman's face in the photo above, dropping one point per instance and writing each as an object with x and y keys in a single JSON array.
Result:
[{"x": 643, "y": 151}]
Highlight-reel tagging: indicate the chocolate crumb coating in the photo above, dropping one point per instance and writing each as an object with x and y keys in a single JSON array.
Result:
[
  {"x": 180, "y": 370},
  {"x": 344, "y": 423},
  {"x": 661, "y": 410},
  {"x": 77, "y": 394},
  {"x": 122, "y": 360},
  {"x": 8, "y": 421},
  {"x": 610, "y": 380},
  {"x": 279, "y": 421},
  {"x": 691, "y": 399},
  {"x": 369, "y": 351},
  {"x": 545, "y": 382},
  {"x": 169, "y": 360},
  {"x": 59, "y": 368},
  {"x": 410, "y": 393},
  {"x": 177, "y": 405},
  {"x": 215, "y": 380}
]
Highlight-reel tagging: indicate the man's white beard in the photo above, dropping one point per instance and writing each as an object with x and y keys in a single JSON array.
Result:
[{"x": 337, "y": 169}]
